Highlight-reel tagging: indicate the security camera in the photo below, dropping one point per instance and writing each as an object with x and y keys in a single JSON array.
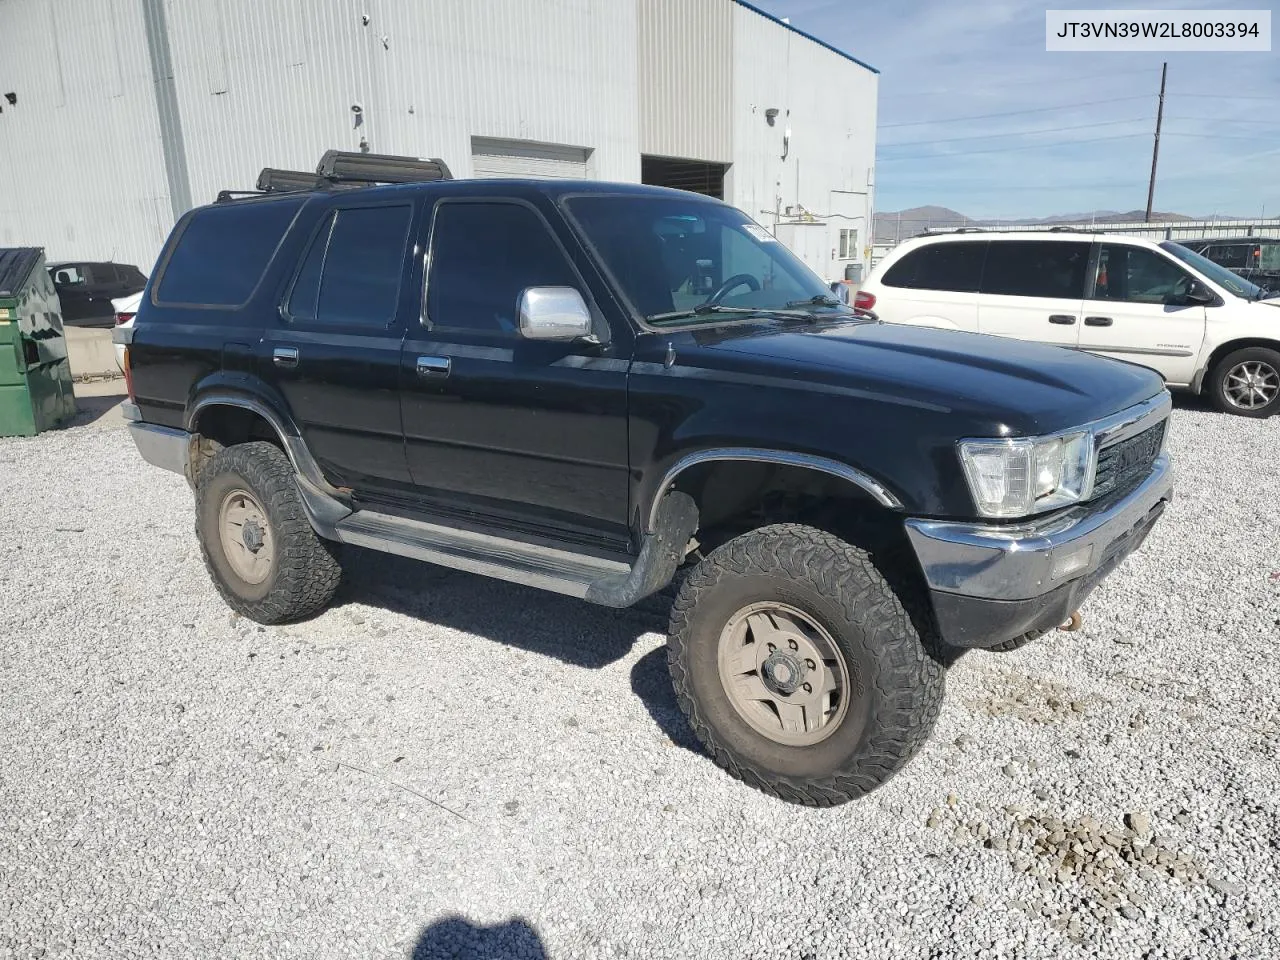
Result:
[
  {"x": 364, "y": 19},
  {"x": 357, "y": 109},
  {"x": 771, "y": 115},
  {"x": 12, "y": 98}
]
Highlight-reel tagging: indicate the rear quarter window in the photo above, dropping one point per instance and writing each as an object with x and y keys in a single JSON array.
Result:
[
  {"x": 954, "y": 267},
  {"x": 219, "y": 255}
]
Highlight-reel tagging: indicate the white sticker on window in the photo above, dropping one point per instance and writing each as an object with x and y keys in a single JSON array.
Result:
[{"x": 760, "y": 233}]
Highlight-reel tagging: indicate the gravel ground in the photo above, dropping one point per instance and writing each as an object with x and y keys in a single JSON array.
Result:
[{"x": 443, "y": 764}]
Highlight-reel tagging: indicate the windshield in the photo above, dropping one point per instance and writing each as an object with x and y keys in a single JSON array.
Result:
[
  {"x": 681, "y": 261},
  {"x": 1219, "y": 275}
]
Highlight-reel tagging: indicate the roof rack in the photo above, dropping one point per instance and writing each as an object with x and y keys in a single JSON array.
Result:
[
  {"x": 344, "y": 167},
  {"x": 343, "y": 170},
  {"x": 1066, "y": 228},
  {"x": 271, "y": 180},
  {"x": 927, "y": 232}
]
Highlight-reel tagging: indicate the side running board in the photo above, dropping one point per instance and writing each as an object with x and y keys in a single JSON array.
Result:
[{"x": 608, "y": 582}]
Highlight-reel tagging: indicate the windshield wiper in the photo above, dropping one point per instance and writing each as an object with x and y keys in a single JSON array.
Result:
[
  {"x": 821, "y": 300},
  {"x": 703, "y": 309}
]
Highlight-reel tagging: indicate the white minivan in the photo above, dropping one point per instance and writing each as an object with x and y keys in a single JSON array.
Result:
[{"x": 1197, "y": 324}]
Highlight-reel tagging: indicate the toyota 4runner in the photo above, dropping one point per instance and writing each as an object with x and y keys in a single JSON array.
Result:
[{"x": 604, "y": 390}]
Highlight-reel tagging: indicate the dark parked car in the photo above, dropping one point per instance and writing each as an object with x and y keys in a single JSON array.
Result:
[
  {"x": 87, "y": 290},
  {"x": 1257, "y": 259},
  {"x": 602, "y": 389}
]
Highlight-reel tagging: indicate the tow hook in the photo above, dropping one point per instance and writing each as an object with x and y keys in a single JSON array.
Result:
[{"x": 1074, "y": 624}]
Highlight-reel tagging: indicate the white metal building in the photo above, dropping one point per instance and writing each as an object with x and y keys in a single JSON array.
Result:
[{"x": 125, "y": 113}]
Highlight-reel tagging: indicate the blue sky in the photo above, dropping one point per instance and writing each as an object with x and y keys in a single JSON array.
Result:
[{"x": 941, "y": 60}]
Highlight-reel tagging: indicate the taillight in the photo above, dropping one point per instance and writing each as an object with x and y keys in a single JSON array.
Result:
[
  {"x": 127, "y": 368},
  {"x": 863, "y": 300},
  {"x": 122, "y": 318}
]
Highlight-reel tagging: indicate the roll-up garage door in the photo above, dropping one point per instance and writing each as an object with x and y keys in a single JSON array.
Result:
[{"x": 520, "y": 158}]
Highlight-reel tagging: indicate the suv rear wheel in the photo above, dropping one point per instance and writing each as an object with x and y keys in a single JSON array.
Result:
[
  {"x": 799, "y": 667},
  {"x": 1247, "y": 382},
  {"x": 258, "y": 545}
]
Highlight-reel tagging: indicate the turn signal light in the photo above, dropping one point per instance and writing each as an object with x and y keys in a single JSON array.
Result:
[{"x": 864, "y": 301}]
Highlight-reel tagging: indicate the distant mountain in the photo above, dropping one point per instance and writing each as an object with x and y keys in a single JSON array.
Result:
[{"x": 901, "y": 224}]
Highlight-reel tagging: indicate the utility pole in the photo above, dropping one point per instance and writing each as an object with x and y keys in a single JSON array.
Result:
[{"x": 1155, "y": 151}]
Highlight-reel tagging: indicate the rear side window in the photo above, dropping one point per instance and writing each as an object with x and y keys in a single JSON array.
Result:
[
  {"x": 351, "y": 274},
  {"x": 222, "y": 253},
  {"x": 1232, "y": 255},
  {"x": 954, "y": 267},
  {"x": 1036, "y": 268}
]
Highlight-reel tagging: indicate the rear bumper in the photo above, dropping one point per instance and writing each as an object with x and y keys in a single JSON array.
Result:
[
  {"x": 990, "y": 584},
  {"x": 162, "y": 447}
]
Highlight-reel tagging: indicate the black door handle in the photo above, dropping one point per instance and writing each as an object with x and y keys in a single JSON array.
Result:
[
  {"x": 1063, "y": 318},
  {"x": 1097, "y": 321}
]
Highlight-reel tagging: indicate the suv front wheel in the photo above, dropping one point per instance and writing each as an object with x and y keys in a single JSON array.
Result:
[
  {"x": 1247, "y": 382},
  {"x": 264, "y": 557},
  {"x": 799, "y": 667}
]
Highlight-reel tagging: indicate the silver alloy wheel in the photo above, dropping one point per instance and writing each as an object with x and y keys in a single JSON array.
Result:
[
  {"x": 246, "y": 536},
  {"x": 783, "y": 674},
  {"x": 1251, "y": 384}
]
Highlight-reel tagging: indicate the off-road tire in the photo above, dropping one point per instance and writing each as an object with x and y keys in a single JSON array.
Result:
[
  {"x": 305, "y": 569},
  {"x": 884, "y": 636},
  {"x": 1216, "y": 386}
]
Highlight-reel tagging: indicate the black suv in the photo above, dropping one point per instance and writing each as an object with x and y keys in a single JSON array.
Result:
[
  {"x": 603, "y": 390},
  {"x": 86, "y": 290},
  {"x": 1257, "y": 259}
]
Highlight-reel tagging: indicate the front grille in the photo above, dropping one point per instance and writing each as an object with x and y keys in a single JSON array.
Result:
[{"x": 1124, "y": 465}]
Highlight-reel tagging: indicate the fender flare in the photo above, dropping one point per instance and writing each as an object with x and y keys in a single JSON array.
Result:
[
  {"x": 325, "y": 504},
  {"x": 868, "y": 484}
]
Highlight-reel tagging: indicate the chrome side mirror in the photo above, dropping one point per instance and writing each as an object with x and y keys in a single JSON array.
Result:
[{"x": 553, "y": 313}]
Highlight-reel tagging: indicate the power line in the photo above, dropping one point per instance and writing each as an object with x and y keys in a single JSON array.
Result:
[
  {"x": 1015, "y": 113},
  {"x": 917, "y": 94},
  {"x": 1225, "y": 96},
  {"x": 1055, "y": 185},
  {"x": 1020, "y": 133},
  {"x": 1252, "y": 120},
  {"x": 1031, "y": 146},
  {"x": 1072, "y": 143},
  {"x": 1223, "y": 136}
]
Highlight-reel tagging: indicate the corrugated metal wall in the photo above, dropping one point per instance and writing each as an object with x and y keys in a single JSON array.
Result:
[
  {"x": 262, "y": 84},
  {"x": 81, "y": 173},
  {"x": 686, "y": 57},
  {"x": 272, "y": 83},
  {"x": 828, "y": 103}
]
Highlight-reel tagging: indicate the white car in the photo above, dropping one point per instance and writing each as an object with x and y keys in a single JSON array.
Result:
[
  {"x": 1198, "y": 325},
  {"x": 126, "y": 309}
]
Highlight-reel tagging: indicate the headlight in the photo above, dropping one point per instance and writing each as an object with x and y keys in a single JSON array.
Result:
[{"x": 1017, "y": 478}]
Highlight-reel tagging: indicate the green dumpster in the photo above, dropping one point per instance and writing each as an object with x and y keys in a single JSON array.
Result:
[{"x": 35, "y": 376}]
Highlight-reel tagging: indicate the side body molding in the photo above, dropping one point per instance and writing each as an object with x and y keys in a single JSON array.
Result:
[{"x": 880, "y": 493}]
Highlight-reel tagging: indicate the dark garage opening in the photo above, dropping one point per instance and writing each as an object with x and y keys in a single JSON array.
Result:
[{"x": 693, "y": 175}]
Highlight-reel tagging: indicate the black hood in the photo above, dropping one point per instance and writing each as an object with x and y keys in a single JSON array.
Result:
[{"x": 1021, "y": 388}]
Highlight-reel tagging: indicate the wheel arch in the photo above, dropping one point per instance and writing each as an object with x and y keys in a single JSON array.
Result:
[
  {"x": 1225, "y": 349},
  {"x": 697, "y": 470},
  {"x": 231, "y": 416}
]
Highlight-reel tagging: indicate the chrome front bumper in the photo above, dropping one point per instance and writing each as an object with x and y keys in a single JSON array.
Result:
[{"x": 988, "y": 580}]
